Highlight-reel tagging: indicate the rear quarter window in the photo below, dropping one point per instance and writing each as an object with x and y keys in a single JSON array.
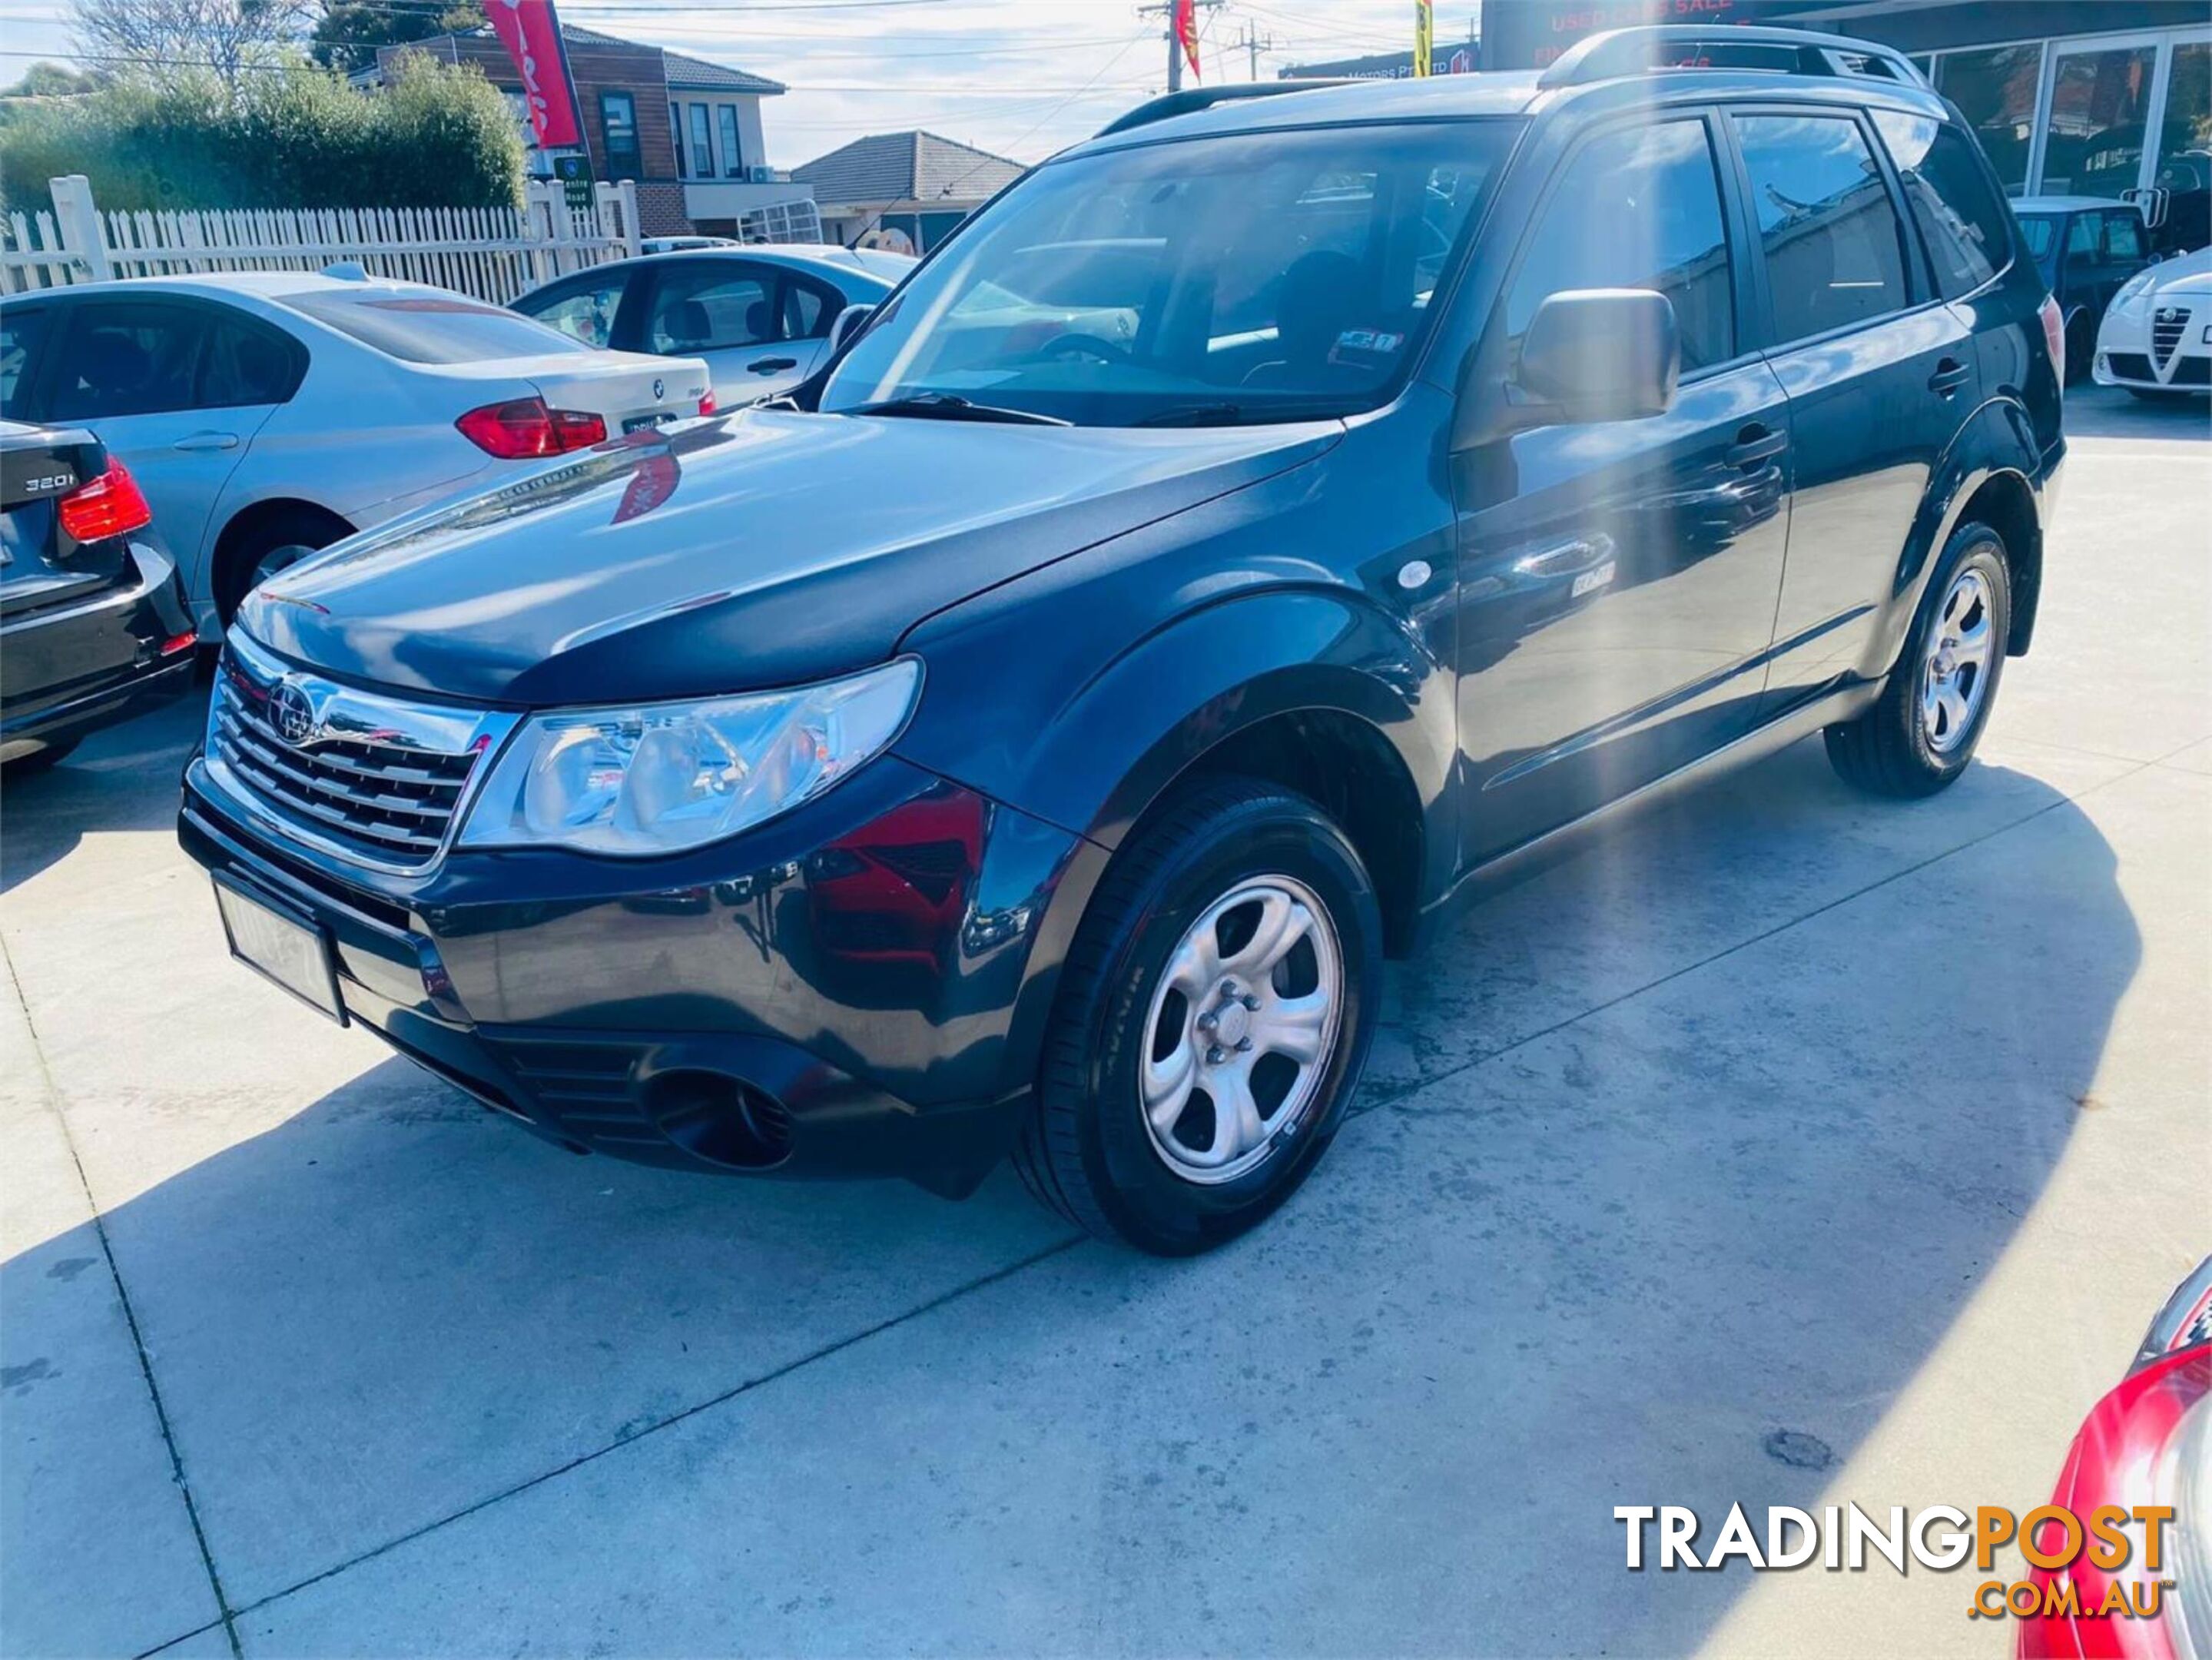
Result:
[{"x": 1960, "y": 215}]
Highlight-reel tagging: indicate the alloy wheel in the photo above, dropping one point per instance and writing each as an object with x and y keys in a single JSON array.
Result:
[
  {"x": 1955, "y": 673},
  {"x": 1242, "y": 1029}
]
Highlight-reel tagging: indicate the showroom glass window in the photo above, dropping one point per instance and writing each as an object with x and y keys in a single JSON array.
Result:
[
  {"x": 2099, "y": 100},
  {"x": 1959, "y": 213},
  {"x": 1639, "y": 208},
  {"x": 1995, "y": 90},
  {"x": 1827, "y": 229}
]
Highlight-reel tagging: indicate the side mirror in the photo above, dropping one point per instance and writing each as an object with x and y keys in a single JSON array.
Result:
[
  {"x": 850, "y": 321},
  {"x": 1601, "y": 354}
]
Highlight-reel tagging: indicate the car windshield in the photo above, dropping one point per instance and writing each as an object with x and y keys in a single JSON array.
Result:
[
  {"x": 429, "y": 328},
  {"x": 1253, "y": 277},
  {"x": 2042, "y": 232}
]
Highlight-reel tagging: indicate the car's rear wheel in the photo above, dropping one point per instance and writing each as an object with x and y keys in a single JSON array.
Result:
[
  {"x": 257, "y": 551},
  {"x": 1214, "y": 1015},
  {"x": 2081, "y": 346},
  {"x": 1923, "y": 731}
]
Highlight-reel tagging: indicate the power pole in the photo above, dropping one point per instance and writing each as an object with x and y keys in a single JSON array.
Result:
[
  {"x": 1166, "y": 8},
  {"x": 1254, "y": 44}
]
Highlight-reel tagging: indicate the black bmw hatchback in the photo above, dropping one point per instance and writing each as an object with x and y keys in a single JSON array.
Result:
[{"x": 1261, "y": 525}]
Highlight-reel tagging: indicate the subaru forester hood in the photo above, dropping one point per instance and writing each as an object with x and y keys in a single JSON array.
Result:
[{"x": 763, "y": 549}]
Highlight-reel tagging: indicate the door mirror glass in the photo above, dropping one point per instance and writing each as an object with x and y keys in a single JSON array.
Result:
[
  {"x": 850, "y": 321},
  {"x": 1601, "y": 354}
]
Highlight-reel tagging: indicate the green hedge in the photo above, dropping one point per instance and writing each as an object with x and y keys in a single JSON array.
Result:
[{"x": 437, "y": 135}]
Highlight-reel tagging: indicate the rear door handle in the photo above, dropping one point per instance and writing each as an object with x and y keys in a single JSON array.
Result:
[
  {"x": 773, "y": 365},
  {"x": 1950, "y": 375},
  {"x": 207, "y": 440},
  {"x": 1755, "y": 443}
]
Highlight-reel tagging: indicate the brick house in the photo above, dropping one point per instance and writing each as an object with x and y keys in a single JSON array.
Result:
[{"x": 688, "y": 130}]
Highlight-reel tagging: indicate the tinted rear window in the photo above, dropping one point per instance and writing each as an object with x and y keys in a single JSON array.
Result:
[
  {"x": 2041, "y": 234},
  {"x": 431, "y": 328},
  {"x": 1953, "y": 201}
]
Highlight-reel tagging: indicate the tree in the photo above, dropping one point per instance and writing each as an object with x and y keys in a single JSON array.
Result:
[
  {"x": 348, "y": 32},
  {"x": 158, "y": 38},
  {"x": 44, "y": 80}
]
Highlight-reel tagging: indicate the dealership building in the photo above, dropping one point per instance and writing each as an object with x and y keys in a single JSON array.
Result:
[{"x": 2090, "y": 97}]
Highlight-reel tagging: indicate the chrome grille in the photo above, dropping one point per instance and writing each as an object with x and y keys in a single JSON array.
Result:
[
  {"x": 377, "y": 779},
  {"x": 2167, "y": 324}
]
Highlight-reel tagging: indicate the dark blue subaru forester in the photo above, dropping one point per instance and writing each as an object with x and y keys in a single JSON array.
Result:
[{"x": 1260, "y": 526}]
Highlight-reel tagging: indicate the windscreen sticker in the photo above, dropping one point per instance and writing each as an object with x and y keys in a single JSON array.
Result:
[{"x": 1373, "y": 343}]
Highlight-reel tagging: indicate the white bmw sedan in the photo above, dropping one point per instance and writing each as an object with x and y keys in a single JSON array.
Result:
[
  {"x": 266, "y": 414},
  {"x": 2156, "y": 338}
]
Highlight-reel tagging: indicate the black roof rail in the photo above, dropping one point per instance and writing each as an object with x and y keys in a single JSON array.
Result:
[
  {"x": 1204, "y": 98},
  {"x": 1663, "y": 46}
]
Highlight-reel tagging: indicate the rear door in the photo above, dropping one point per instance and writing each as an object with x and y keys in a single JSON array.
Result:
[
  {"x": 1880, "y": 375},
  {"x": 1618, "y": 578},
  {"x": 587, "y": 307},
  {"x": 729, "y": 312},
  {"x": 177, "y": 388}
]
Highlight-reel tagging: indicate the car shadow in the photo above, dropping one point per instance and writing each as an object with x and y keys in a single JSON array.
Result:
[
  {"x": 124, "y": 778},
  {"x": 2094, "y": 411},
  {"x": 1663, "y": 1201}
]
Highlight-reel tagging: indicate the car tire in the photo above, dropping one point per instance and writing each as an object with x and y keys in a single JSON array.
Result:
[
  {"x": 1185, "y": 900},
  {"x": 2081, "y": 346},
  {"x": 268, "y": 546},
  {"x": 39, "y": 761},
  {"x": 1922, "y": 733}
]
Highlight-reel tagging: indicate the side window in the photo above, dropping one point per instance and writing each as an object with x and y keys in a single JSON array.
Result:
[
  {"x": 585, "y": 311},
  {"x": 807, "y": 311},
  {"x": 2081, "y": 236},
  {"x": 22, "y": 328},
  {"x": 129, "y": 357},
  {"x": 1826, "y": 226},
  {"x": 2122, "y": 237},
  {"x": 246, "y": 365},
  {"x": 1960, "y": 216},
  {"x": 1639, "y": 208},
  {"x": 710, "y": 306}
]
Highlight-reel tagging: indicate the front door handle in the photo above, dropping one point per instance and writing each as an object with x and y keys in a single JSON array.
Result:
[
  {"x": 207, "y": 440},
  {"x": 773, "y": 365},
  {"x": 1755, "y": 443},
  {"x": 1950, "y": 375}
]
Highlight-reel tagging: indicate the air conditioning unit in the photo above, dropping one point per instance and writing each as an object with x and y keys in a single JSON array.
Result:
[{"x": 760, "y": 175}]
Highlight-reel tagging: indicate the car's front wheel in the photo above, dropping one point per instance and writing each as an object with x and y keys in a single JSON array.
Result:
[{"x": 1214, "y": 1016}]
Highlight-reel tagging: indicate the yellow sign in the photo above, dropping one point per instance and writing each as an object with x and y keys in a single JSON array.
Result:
[{"x": 1425, "y": 20}]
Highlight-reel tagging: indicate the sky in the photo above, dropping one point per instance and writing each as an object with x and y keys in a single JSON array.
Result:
[{"x": 1021, "y": 78}]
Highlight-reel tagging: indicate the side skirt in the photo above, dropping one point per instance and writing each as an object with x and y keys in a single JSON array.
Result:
[{"x": 1540, "y": 854}]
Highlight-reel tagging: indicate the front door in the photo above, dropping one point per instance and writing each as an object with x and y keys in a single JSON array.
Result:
[
  {"x": 1618, "y": 578},
  {"x": 1880, "y": 375},
  {"x": 729, "y": 312}
]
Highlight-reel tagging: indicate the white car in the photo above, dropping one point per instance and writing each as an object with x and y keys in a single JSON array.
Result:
[
  {"x": 2156, "y": 338},
  {"x": 760, "y": 316},
  {"x": 265, "y": 414}
]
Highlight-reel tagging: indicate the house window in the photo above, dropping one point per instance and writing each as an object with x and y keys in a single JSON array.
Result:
[
  {"x": 675, "y": 133},
  {"x": 733, "y": 157},
  {"x": 618, "y": 129},
  {"x": 702, "y": 144}
]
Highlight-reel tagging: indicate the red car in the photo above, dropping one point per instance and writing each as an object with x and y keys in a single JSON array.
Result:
[{"x": 2147, "y": 1443}]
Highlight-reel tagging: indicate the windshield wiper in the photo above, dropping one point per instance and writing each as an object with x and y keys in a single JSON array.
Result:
[
  {"x": 950, "y": 406},
  {"x": 1238, "y": 414}
]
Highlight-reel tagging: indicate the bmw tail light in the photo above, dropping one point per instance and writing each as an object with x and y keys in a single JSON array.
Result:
[
  {"x": 110, "y": 505},
  {"x": 707, "y": 402},
  {"x": 2054, "y": 334},
  {"x": 523, "y": 427}
]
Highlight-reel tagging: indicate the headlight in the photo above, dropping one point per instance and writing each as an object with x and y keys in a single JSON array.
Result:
[
  {"x": 2132, "y": 291},
  {"x": 663, "y": 777}
]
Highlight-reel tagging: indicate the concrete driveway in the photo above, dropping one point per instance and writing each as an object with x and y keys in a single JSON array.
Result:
[{"x": 1791, "y": 1148}]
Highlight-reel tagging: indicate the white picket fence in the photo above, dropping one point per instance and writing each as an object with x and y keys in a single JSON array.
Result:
[{"x": 494, "y": 253}]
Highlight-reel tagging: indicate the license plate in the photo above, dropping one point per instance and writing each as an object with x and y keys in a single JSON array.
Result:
[
  {"x": 639, "y": 422},
  {"x": 286, "y": 950}
]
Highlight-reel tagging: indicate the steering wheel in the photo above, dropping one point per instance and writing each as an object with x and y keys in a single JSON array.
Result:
[{"x": 1086, "y": 345}]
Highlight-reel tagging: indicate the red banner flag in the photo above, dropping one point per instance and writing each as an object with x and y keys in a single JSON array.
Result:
[
  {"x": 531, "y": 34},
  {"x": 1186, "y": 28}
]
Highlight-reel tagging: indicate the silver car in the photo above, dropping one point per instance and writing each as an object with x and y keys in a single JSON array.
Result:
[
  {"x": 265, "y": 414},
  {"x": 760, "y": 316}
]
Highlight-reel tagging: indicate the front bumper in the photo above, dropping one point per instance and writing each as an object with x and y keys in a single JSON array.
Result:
[
  {"x": 66, "y": 672},
  {"x": 2128, "y": 350},
  {"x": 856, "y": 989}
]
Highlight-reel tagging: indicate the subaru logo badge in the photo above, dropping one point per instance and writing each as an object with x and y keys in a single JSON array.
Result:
[
  {"x": 291, "y": 713},
  {"x": 660, "y": 390}
]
